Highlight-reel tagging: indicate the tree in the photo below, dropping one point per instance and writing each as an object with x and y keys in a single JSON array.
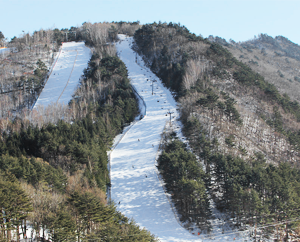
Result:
[
  {"x": 63, "y": 226},
  {"x": 15, "y": 206},
  {"x": 185, "y": 180}
]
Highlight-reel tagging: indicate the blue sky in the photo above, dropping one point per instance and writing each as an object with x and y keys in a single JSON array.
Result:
[{"x": 239, "y": 20}]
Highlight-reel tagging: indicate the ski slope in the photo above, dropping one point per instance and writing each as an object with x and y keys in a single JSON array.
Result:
[
  {"x": 65, "y": 74},
  {"x": 136, "y": 189}
]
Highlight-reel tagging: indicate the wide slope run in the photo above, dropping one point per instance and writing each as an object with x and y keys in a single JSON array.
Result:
[
  {"x": 136, "y": 189},
  {"x": 65, "y": 74}
]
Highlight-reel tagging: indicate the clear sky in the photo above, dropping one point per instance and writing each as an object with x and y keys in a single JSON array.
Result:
[{"x": 239, "y": 20}]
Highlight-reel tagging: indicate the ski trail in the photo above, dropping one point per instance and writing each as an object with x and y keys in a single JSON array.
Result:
[
  {"x": 133, "y": 176},
  {"x": 136, "y": 189},
  {"x": 65, "y": 74}
]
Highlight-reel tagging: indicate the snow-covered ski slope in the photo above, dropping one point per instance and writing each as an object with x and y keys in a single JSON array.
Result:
[
  {"x": 65, "y": 74},
  {"x": 136, "y": 189}
]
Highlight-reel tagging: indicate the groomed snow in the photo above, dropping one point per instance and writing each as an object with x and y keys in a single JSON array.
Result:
[
  {"x": 136, "y": 189},
  {"x": 66, "y": 72}
]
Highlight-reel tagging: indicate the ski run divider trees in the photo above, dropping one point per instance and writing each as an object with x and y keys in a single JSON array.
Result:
[{"x": 185, "y": 180}]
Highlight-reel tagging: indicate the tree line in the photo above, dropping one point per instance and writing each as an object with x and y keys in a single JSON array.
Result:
[{"x": 77, "y": 215}]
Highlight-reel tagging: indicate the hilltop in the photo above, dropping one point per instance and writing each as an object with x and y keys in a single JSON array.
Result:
[{"x": 276, "y": 59}]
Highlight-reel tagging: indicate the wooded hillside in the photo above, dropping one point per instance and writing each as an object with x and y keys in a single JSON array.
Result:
[
  {"x": 53, "y": 171},
  {"x": 242, "y": 128}
]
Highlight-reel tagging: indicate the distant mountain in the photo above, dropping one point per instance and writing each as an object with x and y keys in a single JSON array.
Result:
[
  {"x": 276, "y": 59},
  {"x": 282, "y": 45}
]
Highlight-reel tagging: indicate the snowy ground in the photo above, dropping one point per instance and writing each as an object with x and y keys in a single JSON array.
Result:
[
  {"x": 136, "y": 189},
  {"x": 4, "y": 51},
  {"x": 66, "y": 72}
]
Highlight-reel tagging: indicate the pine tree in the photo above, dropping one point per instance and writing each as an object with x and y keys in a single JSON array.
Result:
[{"x": 15, "y": 206}]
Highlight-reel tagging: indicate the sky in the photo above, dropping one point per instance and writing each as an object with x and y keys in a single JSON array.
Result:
[{"x": 239, "y": 20}]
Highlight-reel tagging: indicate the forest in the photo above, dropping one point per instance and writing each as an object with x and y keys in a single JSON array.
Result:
[
  {"x": 53, "y": 173},
  {"x": 185, "y": 180}
]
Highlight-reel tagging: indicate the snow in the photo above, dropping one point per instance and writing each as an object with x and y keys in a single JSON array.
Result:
[
  {"x": 136, "y": 189},
  {"x": 65, "y": 74},
  {"x": 3, "y": 51},
  {"x": 134, "y": 176}
]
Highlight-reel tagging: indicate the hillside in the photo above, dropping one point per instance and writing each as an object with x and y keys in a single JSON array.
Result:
[
  {"x": 241, "y": 126},
  {"x": 53, "y": 161},
  {"x": 276, "y": 59},
  {"x": 225, "y": 95}
]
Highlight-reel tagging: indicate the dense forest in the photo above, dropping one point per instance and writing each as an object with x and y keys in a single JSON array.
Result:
[
  {"x": 185, "y": 180},
  {"x": 53, "y": 175},
  {"x": 244, "y": 131}
]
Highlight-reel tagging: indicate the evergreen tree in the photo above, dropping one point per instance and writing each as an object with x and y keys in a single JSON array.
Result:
[{"x": 15, "y": 206}]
